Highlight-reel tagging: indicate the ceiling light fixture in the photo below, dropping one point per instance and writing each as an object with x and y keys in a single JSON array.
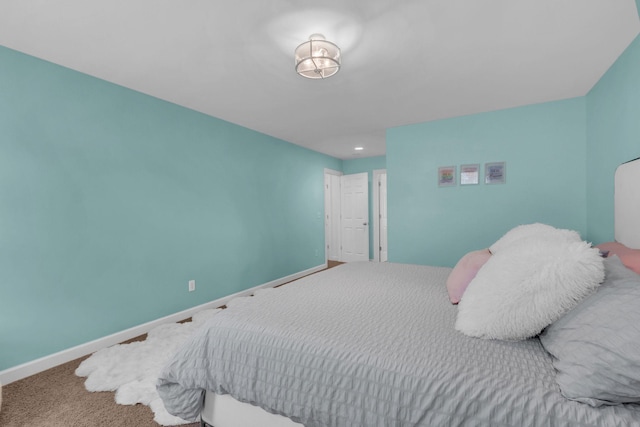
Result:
[
  {"x": 358, "y": 148},
  {"x": 317, "y": 58}
]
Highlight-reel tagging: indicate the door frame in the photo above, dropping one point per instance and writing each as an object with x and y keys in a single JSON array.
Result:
[{"x": 376, "y": 212}]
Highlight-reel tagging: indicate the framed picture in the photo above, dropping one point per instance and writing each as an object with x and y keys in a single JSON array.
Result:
[
  {"x": 495, "y": 173},
  {"x": 447, "y": 176},
  {"x": 469, "y": 174}
]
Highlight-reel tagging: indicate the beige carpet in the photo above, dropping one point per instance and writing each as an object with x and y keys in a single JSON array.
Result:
[{"x": 57, "y": 398}]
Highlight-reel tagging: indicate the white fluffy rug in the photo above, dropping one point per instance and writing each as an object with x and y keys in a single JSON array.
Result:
[{"x": 131, "y": 369}]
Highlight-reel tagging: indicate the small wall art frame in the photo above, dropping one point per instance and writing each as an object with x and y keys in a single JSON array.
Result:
[
  {"x": 469, "y": 174},
  {"x": 495, "y": 173},
  {"x": 446, "y": 176}
]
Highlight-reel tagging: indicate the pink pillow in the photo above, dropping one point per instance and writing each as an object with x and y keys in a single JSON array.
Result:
[
  {"x": 464, "y": 272},
  {"x": 629, "y": 257}
]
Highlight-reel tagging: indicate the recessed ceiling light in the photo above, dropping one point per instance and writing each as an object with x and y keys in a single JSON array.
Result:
[{"x": 358, "y": 148}]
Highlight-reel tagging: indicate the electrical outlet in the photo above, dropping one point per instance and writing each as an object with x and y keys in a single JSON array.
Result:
[{"x": 192, "y": 285}]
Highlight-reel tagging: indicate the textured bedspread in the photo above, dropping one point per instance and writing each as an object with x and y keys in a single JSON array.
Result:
[{"x": 367, "y": 344}]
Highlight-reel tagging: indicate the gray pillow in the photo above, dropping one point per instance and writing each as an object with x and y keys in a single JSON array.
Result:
[{"x": 596, "y": 346}]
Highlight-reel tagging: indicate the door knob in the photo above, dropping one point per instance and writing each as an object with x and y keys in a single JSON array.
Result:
[{"x": 364, "y": 223}]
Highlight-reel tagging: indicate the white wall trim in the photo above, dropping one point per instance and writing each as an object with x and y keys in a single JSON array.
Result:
[
  {"x": 332, "y": 172},
  {"x": 42, "y": 364}
]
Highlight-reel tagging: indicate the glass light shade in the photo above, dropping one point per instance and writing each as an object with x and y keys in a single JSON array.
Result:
[{"x": 317, "y": 58}]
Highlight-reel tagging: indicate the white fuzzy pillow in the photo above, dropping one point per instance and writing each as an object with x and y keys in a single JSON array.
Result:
[
  {"x": 533, "y": 231},
  {"x": 528, "y": 283}
]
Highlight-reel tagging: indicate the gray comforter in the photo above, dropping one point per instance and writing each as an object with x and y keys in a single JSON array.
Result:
[{"x": 368, "y": 344}]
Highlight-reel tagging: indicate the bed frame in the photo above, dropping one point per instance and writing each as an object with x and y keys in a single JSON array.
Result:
[{"x": 225, "y": 411}]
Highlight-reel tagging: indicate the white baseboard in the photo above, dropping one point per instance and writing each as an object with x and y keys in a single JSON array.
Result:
[{"x": 42, "y": 364}]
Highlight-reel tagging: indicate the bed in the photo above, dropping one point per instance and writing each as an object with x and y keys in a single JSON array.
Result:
[{"x": 374, "y": 344}]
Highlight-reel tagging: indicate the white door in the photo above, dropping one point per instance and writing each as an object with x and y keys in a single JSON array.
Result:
[
  {"x": 354, "y": 199},
  {"x": 332, "y": 215},
  {"x": 382, "y": 199}
]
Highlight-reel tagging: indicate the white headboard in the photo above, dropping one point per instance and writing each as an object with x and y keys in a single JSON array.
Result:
[{"x": 627, "y": 204}]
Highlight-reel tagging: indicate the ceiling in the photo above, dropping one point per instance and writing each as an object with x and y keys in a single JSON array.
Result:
[{"x": 404, "y": 61}]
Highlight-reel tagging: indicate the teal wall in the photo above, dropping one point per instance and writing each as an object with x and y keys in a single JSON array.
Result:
[
  {"x": 544, "y": 149},
  {"x": 368, "y": 165},
  {"x": 613, "y": 137},
  {"x": 110, "y": 201}
]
